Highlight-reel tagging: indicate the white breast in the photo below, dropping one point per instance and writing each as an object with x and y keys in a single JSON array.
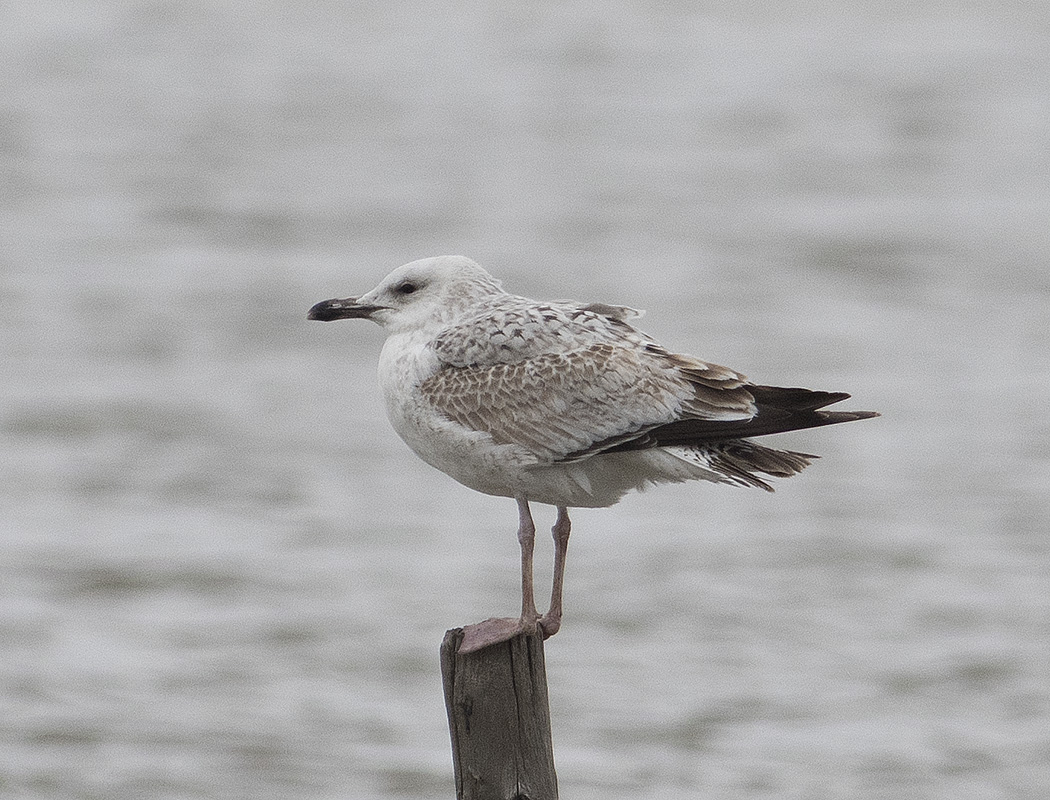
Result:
[{"x": 469, "y": 457}]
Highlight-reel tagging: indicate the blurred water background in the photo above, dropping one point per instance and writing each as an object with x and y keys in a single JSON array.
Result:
[{"x": 223, "y": 576}]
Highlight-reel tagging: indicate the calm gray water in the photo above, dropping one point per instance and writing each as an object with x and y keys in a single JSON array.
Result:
[{"x": 222, "y": 575}]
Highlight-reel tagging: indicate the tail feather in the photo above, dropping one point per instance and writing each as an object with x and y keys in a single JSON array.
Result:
[
  {"x": 739, "y": 461},
  {"x": 724, "y": 446}
]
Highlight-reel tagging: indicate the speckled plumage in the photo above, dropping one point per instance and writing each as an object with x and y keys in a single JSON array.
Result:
[{"x": 563, "y": 403}]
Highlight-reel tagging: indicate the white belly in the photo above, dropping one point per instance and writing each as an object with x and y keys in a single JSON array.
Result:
[
  {"x": 507, "y": 470},
  {"x": 471, "y": 457}
]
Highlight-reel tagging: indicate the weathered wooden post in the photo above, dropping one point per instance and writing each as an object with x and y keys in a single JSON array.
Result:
[{"x": 499, "y": 719}]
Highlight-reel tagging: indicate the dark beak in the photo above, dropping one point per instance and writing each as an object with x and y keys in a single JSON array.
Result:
[{"x": 347, "y": 308}]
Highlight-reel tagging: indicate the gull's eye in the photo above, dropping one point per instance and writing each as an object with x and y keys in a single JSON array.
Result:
[{"x": 406, "y": 287}]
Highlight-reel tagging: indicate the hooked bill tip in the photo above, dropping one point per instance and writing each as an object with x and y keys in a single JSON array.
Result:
[{"x": 346, "y": 308}]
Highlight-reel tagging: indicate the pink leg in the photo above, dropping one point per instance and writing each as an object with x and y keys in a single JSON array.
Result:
[
  {"x": 527, "y": 541},
  {"x": 501, "y": 629},
  {"x": 551, "y": 621}
]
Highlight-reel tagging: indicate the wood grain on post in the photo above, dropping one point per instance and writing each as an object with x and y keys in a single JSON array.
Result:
[{"x": 499, "y": 719}]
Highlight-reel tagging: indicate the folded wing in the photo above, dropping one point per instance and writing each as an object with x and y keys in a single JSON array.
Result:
[{"x": 593, "y": 384}]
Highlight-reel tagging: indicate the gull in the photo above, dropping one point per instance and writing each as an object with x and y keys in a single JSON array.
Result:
[{"x": 561, "y": 403}]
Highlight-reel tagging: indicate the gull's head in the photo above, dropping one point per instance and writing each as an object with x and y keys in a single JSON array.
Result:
[{"x": 431, "y": 290}]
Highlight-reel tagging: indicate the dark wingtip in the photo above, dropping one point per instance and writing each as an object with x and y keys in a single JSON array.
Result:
[
  {"x": 795, "y": 398},
  {"x": 857, "y": 414}
]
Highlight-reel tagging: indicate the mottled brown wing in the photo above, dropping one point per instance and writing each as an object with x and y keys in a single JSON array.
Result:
[{"x": 572, "y": 404}]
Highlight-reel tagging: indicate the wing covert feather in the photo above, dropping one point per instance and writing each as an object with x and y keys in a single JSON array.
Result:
[{"x": 579, "y": 402}]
